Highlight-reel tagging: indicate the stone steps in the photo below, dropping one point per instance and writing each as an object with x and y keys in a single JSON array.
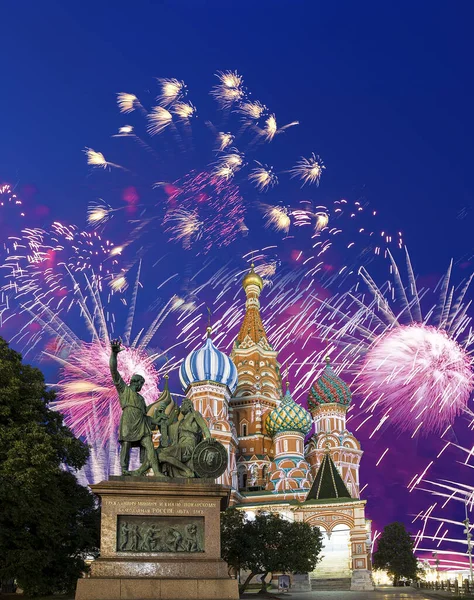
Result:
[{"x": 331, "y": 584}]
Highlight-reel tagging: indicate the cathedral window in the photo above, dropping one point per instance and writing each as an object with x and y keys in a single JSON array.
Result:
[{"x": 243, "y": 429}]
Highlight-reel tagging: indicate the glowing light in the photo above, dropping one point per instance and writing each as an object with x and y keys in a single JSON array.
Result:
[
  {"x": 184, "y": 110},
  {"x": 252, "y": 109},
  {"x": 97, "y": 159},
  {"x": 263, "y": 177},
  {"x": 98, "y": 213},
  {"x": 229, "y": 90},
  {"x": 423, "y": 374},
  {"x": 85, "y": 387},
  {"x": 126, "y": 102},
  {"x": 322, "y": 220},
  {"x": 204, "y": 208},
  {"x": 271, "y": 128},
  {"x": 309, "y": 170},
  {"x": 172, "y": 90},
  {"x": 158, "y": 120},
  {"x": 277, "y": 217},
  {"x": 118, "y": 283},
  {"x": 224, "y": 140}
]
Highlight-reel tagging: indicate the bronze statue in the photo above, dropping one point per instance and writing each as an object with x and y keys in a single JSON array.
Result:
[
  {"x": 185, "y": 434},
  {"x": 134, "y": 427},
  {"x": 186, "y": 446}
]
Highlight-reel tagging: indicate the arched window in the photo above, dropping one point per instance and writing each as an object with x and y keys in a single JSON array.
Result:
[
  {"x": 264, "y": 471},
  {"x": 285, "y": 445},
  {"x": 243, "y": 429}
]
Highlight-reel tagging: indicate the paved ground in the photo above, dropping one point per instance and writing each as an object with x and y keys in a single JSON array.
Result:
[{"x": 381, "y": 593}]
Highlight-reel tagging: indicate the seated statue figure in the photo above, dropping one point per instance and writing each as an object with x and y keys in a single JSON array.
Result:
[{"x": 185, "y": 434}]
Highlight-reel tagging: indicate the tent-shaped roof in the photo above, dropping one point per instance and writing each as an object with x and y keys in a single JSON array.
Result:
[{"x": 328, "y": 483}]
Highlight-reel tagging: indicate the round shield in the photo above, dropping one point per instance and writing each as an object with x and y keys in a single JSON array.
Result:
[{"x": 209, "y": 459}]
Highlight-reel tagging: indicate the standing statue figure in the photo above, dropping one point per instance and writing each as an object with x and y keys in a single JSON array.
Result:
[{"x": 134, "y": 430}]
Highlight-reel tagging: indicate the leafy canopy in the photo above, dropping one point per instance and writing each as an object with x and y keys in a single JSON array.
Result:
[
  {"x": 268, "y": 544},
  {"x": 395, "y": 553},
  {"x": 48, "y": 522}
]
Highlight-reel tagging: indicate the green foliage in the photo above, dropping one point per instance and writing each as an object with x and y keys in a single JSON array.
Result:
[
  {"x": 395, "y": 553},
  {"x": 268, "y": 544},
  {"x": 48, "y": 522}
]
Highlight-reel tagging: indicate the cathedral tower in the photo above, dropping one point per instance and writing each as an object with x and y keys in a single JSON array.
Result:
[
  {"x": 208, "y": 378},
  {"x": 328, "y": 400},
  {"x": 288, "y": 424},
  {"x": 258, "y": 390}
]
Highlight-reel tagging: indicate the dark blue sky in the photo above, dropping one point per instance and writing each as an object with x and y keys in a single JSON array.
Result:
[{"x": 384, "y": 93}]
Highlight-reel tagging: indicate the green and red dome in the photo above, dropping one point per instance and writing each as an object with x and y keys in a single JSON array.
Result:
[{"x": 329, "y": 388}]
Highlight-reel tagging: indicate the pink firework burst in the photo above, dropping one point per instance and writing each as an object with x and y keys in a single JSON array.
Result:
[
  {"x": 414, "y": 370},
  {"x": 419, "y": 375},
  {"x": 85, "y": 386},
  {"x": 206, "y": 209}
]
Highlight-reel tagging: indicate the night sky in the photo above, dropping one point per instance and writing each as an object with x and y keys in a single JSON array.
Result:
[{"x": 383, "y": 92}]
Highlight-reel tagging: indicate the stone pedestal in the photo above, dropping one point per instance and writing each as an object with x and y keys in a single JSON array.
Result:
[
  {"x": 362, "y": 580},
  {"x": 159, "y": 540}
]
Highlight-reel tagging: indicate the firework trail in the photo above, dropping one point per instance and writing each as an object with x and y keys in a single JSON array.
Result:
[
  {"x": 203, "y": 206},
  {"x": 8, "y": 198},
  {"x": 38, "y": 263},
  {"x": 85, "y": 393},
  {"x": 441, "y": 533},
  {"x": 415, "y": 369},
  {"x": 184, "y": 162}
]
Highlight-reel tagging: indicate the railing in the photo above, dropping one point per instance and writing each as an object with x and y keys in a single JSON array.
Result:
[{"x": 448, "y": 586}]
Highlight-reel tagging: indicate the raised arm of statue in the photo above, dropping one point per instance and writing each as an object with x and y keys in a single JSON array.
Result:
[{"x": 116, "y": 347}]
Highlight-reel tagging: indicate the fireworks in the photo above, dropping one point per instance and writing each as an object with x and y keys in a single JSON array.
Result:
[
  {"x": 158, "y": 120},
  {"x": 224, "y": 140},
  {"x": 252, "y": 110},
  {"x": 126, "y": 102},
  {"x": 263, "y": 177},
  {"x": 422, "y": 375},
  {"x": 172, "y": 90},
  {"x": 9, "y": 198},
  {"x": 309, "y": 170},
  {"x": 277, "y": 217},
  {"x": 184, "y": 110},
  {"x": 322, "y": 220},
  {"x": 416, "y": 371},
  {"x": 98, "y": 213},
  {"x": 271, "y": 129},
  {"x": 248, "y": 122},
  {"x": 39, "y": 263},
  {"x": 97, "y": 159},
  {"x": 229, "y": 90},
  {"x": 85, "y": 386},
  {"x": 204, "y": 208}
]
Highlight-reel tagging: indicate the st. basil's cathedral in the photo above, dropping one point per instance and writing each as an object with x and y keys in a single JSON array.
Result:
[{"x": 271, "y": 466}]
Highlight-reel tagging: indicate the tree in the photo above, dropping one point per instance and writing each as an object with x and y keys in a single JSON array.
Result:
[
  {"x": 48, "y": 522},
  {"x": 395, "y": 553},
  {"x": 268, "y": 544}
]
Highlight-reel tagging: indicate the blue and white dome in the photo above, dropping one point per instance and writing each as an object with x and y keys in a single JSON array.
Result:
[{"x": 208, "y": 364}]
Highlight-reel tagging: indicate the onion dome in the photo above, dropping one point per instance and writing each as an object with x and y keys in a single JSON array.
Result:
[
  {"x": 208, "y": 364},
  {"x": 288, "y": 416},
  {"x": 252, "y": 278},
  {"x": 329, "y": 389}
]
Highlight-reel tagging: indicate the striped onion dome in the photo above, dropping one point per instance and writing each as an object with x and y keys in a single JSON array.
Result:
[
  {"x": 288, "y": 416},
  {"x": 329, "y": 388},
  {"x": 208, "y": 364}
]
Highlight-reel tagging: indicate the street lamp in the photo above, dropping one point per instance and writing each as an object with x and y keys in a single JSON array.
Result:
[{"x": 467, "y": 531}]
